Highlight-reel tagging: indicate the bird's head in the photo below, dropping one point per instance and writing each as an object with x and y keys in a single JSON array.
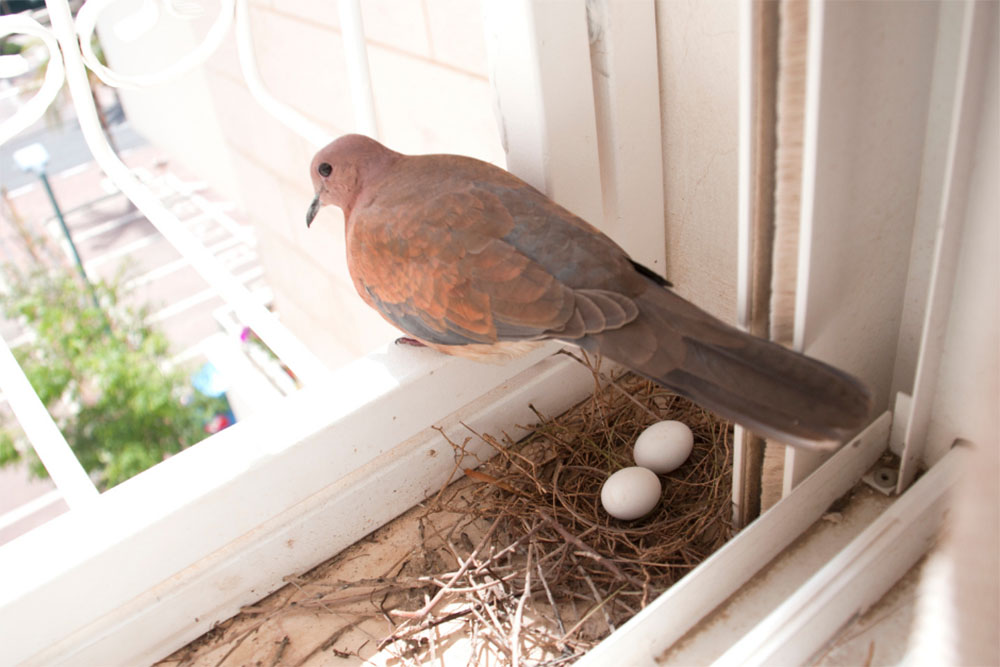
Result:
[{"x": 342, "y": 168}]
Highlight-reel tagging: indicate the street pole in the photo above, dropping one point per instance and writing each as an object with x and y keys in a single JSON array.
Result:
[
  {"x": 62, "y": 223},
  {"x": 34, "y": 158},
  {"x": 69, "y": 239}
]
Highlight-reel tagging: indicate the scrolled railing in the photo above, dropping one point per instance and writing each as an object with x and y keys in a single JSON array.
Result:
[
  {"x": 145, "y": 17},
  {"x": 70, "y": 51},
  {"x": 55, "y": 75}
]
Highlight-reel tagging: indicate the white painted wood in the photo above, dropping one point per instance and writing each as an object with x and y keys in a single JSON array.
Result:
[
  {"x": 978, "y": 28},
  {"x": 771, "y": 586},
  {"x": 799, "y": 464},
  {"x": 577, "y": 95},
  {"x": 968, "y": 383},
  {"x": 43, "y": 433},
  {"x": 674, "y": 613},
  {"x": 867, "y": 94},
  {"x": 626, "y": 87},
  {"x": 539, "y": 60},
  {"x": 855, "y": 578},
  {"x": 741, "y": 441},
  {"x": 33, "y": 506},
  {"x": 744, "y": 240},
  {"x": 900, "y": 418},
  {"x": 944, "y": 85},
  {"x": 744, "y": 247},
  {"x": 207, "y": 530}
]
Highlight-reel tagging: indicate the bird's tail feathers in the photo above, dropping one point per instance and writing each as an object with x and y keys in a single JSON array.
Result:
[{"x": 765, "y": 387}]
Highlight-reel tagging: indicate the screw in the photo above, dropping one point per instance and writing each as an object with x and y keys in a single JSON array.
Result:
[{"x": 885, "y": 476}]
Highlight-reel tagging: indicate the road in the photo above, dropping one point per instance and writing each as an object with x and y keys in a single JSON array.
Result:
[{"x": 65, "y": 144}]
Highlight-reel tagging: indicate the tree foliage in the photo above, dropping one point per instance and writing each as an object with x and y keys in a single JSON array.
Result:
[{"x": 104, "y": 375}]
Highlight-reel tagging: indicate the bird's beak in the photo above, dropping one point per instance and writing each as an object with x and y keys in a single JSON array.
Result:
[{"x": 313, "y": 210}]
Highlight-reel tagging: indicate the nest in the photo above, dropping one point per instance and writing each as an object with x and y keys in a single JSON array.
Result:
[{"x": 518, "y": 560}]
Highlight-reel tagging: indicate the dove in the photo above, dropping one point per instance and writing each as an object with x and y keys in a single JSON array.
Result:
[{"x": 465, "y": 257}]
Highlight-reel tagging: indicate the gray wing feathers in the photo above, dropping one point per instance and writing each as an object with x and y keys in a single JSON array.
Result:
[{"x": 597, "y": 311}]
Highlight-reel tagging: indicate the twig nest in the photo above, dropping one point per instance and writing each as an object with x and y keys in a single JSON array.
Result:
[
  {"x": 631, "y": 493},
  {"x": 664, "y": 446}
]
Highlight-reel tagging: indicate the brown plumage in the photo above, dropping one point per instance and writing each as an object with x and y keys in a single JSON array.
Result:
[{"x": 467, "y": 258}]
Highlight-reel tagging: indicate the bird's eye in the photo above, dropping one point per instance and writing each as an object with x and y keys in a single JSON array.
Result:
[{"x": 325, "y": 169}]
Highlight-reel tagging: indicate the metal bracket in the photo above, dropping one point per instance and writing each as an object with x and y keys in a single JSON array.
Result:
[{"x": 882, "y": 477}]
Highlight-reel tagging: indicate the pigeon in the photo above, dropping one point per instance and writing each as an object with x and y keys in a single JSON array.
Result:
[{"x": 466, "y": 258}]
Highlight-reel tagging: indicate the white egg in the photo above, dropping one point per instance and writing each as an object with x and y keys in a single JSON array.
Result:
[
  {"x": 630, "y": 493},
  {"x": 664, "y": 446}
]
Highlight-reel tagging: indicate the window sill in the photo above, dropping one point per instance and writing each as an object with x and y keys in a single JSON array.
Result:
[{"x": 162, "y": 557}]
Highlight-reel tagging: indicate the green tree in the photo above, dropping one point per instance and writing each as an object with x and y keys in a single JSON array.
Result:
[{"x": 104, "y": 375}]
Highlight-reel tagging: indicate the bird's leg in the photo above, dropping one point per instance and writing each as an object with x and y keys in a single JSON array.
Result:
[{"x": 412, "y": 342}]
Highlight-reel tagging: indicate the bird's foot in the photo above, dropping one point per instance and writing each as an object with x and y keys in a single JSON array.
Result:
[{"x": 412, "y": 342}]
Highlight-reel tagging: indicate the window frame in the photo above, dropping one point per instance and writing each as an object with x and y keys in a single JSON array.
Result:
[{"x": 162, "y": 557}]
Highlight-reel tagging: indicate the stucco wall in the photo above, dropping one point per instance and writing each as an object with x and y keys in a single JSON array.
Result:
[
  {"x": 429, "y": 73},
  {"x": 428, "y": 68}
]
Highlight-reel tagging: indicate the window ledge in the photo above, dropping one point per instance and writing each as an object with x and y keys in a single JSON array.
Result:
[{"x": 162, "y": 557}]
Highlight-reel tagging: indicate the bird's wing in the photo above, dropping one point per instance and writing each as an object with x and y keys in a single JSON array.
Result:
[{"x": 474, "y": 263}]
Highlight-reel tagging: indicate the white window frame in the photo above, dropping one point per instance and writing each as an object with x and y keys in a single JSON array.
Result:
[
  {"x": 864, "y": 570},
  {"x": 135, "y": 573}
]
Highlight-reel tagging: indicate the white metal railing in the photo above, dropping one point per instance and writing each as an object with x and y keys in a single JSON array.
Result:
[
  {"x": 54, "y": 75},
  {"x": 69, "y": 45},
  {"x": 354, "y": 48},
  {"x": 86, "y": 23},
  {"x": 359, "y": 78},
  {"x": 299, "y": 358},
  {"x": 46, "y": 438},
  {"x": 292, "y": 119}
]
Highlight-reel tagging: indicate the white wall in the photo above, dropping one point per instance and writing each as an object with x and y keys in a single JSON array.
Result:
[
  {"x": 179, "y": 114},
  {"x": 967, "y": 398},
  {"x": 428, "y": 67}
]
